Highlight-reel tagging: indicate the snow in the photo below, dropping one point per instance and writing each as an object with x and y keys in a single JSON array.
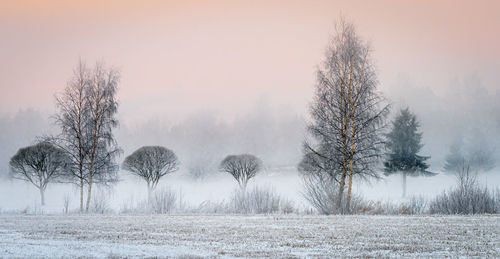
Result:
[{"x": 268, "y": 236}]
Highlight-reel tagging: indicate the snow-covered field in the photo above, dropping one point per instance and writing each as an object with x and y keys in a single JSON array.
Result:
[{"x": 228, "y": 236}]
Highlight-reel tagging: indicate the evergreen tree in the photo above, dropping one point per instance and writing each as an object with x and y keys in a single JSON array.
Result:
[
  {"x": 404, "y": 143},
  {"x": 455, "y": 160}
]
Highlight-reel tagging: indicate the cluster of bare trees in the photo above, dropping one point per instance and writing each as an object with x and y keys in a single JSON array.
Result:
[
  {"x": 151, "y": 163},
  {"x": 348, "y": 115},
  {"x": 348, "y": 120},
  {"x": 86, "y": 116},
  {"x": 467, "y": 197},
  {"x": 85, "y": 150}
]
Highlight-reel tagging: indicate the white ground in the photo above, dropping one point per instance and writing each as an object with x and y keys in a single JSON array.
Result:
[{"x": 228, "y": 236}]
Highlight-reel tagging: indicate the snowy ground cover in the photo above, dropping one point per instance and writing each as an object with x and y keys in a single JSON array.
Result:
[{"x": 230, "y": 236}]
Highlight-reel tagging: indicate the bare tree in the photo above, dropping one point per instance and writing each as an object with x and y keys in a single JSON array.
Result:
[
  {"x": 39, "y": 164},
  {"x": 241, "y": 167},
  {"x": 71, "y": 118},
  {"x": 151, "y": 163},
  {"x": 86, "y": 111},
  {"x": 348, "y": 113}
]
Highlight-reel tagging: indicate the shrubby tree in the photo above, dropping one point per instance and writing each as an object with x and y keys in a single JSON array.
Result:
[
  {"x": 151, "y": 163},
  {"x": 403, "y": 145},
  {"x": 39, "y": 164},
  {"x": 86, "y": 116},
  {"x": 241, "y": 167},
  {"x": 348, "y": 115}
]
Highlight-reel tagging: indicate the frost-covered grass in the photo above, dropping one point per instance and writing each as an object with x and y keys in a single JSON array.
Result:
[{"x": 227, "y": 236}]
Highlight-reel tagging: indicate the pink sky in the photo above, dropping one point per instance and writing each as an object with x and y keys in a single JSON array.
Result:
[{"x": 179, "y": 57}]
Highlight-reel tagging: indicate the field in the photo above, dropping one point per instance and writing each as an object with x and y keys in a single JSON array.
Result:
[{"x": 230, "y": 236}]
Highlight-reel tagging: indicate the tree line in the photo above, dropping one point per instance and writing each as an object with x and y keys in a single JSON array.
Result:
[
  {"x": 349, "y": 138},
  {"x": 84, "y": 153}
]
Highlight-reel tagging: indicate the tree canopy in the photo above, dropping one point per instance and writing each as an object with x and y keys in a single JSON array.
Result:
[
  {"x": 39, "y": 164},
  {"x": 151, "y": 163},
  {"x": 404, "y": 144},
  {"x": 241, "y": 167}
]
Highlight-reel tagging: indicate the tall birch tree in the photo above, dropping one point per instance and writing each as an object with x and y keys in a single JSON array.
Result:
[
  {"x": 348, "y": 114},
  {"x": 86, "y": 116}
]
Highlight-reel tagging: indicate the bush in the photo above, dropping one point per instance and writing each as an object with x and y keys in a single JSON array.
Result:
[
  {"x": 322, "y": 192},
  {"x": 415, "y": 206},
  {"x": 256, "y": 201},
  {"x": 163, "y": 201},
  {"x": 287, "y": 206},
  {"x": 209, "y": 207},
  {"x": 468, "y": 197},
  {"x": 100, "y": 203}
]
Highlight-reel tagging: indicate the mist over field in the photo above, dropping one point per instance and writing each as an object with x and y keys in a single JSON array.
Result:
[{"x": 274, "y": 134}]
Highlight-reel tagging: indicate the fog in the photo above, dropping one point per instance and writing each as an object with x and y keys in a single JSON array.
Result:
[
  {"x": 468, "y": 112},
  {"x": 211, "y": 80}
]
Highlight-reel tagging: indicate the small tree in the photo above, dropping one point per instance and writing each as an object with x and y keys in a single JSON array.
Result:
[
  {"x": 39, "y": 164},
  {"x": 455, "y": 158},
  {"x": 478, "y": 155},
  {"x": 151, "y": 163},
  {"x": 241, "y": 167},
  {"x": 403, "y": 143}
]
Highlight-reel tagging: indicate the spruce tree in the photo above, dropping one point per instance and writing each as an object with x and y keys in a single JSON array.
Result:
[
  {"x": 455, "y": 160},
  {"x": 403, "y": 145}
]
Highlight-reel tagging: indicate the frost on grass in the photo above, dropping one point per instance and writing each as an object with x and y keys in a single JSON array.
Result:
[{"x": 226, "y": 236}]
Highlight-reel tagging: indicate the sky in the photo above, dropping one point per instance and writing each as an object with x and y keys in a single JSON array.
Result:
[{"x": 180, "y": 57}]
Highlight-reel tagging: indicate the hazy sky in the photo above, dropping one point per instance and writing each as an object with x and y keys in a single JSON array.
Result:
[{"x": 179, "y": 57}]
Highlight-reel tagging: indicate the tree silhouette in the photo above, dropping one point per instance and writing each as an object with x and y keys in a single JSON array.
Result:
[{"x": 404, "y": 144}]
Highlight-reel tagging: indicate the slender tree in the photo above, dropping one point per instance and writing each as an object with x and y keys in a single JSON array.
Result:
[
  {"x": 39, "y": 164},
  {"x": 403, "y": 145},
  {"x": 347, "y": 113},
  {"x": 242, "y": 167},
  {"x": 102, "y": 107},
  {"x": 151, "y": 163},
  {"x": 72, "y": 120}
]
